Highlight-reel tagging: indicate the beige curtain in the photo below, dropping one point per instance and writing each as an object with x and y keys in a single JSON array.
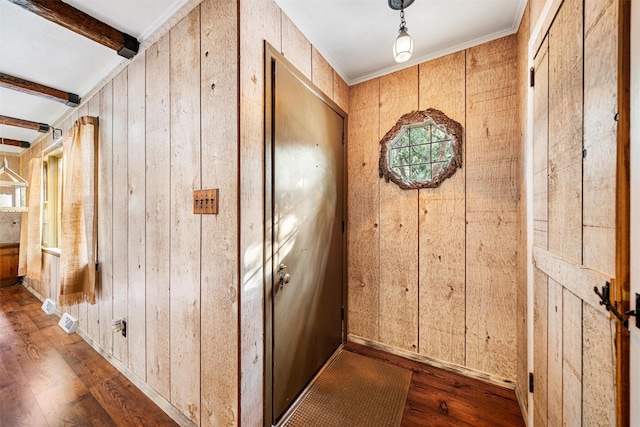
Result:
[
  {"x": 78, "y": 234},
  {"x": 30, "y": 258}
]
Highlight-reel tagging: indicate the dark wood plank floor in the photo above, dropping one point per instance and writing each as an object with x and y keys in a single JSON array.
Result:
[
  {"x": 441, "y": 398},
  {"x": 49, "y": 378}
]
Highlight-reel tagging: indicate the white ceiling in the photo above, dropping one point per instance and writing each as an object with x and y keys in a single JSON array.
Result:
[
  {"x": 38, "y": 50},
  {"x": 355, "y": 36}
]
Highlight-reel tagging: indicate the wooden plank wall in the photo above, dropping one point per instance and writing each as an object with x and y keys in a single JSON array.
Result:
[
  {"x": 522, "y": 325},
  {"x": 262, "y": 20},
  {"x": 168, "y": 126},
  {"x": 434, "y": 271},
  {"x": 575, "y": 101}
]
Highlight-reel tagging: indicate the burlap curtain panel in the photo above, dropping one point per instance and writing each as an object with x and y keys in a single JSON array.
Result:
[
  {"x": 30, "y": 258},
  {"x": 78, "y": 234}
]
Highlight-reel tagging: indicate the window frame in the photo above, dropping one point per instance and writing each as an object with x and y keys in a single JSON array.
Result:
[{"x": 416, "y": 119}]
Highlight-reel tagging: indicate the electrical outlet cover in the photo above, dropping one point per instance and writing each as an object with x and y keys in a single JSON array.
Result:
[
  {"x": 68, "y": 323},
  {"x": 48, "y": 306}
]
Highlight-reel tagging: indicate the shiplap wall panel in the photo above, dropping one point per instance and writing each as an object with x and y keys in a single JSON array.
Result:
[
  {"x": 600, "y": 134},
  {"x": 554, "y": 361},
  {"x": 571, "y": 359},
  {"x": 219, "y": 153},
  {"x": 522, "y": 329},
  {"x": 599, "y": 369},
  {"x": 540, "y": 148},
  {"x": 158, "y": 211},
  {"x": 491, "y": 193},
  {"x": 398, "y": 226},
  {"x": 340, "y": 92},
  {"x": 136, "y": 236},
  {"x": 442, "y": 219},
  {"x": 565, "y": 132},
  {"x": 363, "y": 201},
  {"x": 104, "y": 277},
  {"x": 185, "y": 225},
  {"x": 540, "y": 345},
  {"x": 321, "y": 73},
  {"x": 259, "y": 21},
  {"x": 93, "y": 310},
  {"x": 120, "y": 254},
  {"x": 295, "y": 46}
]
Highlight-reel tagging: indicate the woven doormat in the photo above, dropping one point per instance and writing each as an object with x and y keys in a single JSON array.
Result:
[{"x": 354, "y": 391}]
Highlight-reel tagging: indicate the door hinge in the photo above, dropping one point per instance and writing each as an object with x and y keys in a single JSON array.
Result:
[
  {"x": 530, "y": 382},
  {"x": 343, "y": 226},
  {"x": 532, "y": 77},
  {"x": 342, "y": 313}
]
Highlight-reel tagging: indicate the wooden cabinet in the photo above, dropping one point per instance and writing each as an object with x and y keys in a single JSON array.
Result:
[{"x": 9, "y": 263}]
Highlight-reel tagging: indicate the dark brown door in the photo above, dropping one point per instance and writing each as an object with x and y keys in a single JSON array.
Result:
[{"x": 307, "y": 220}]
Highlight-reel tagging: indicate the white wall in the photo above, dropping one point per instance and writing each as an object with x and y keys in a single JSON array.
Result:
[{"x": 635, "y": 207}]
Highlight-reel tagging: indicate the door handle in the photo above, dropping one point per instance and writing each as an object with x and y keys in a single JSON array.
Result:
[{"x": 283, "y": 276}]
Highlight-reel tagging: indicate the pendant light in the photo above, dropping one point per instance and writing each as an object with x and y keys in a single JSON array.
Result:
[{"x": 403, "y": 46}]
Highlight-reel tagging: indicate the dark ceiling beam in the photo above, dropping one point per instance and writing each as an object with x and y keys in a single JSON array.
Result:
[
  {"x": 79, "y": 22},
  {"x": 25, "y": 124},
  {"x": 31, "y": 88},
  {"x": 15, "y": 143}
]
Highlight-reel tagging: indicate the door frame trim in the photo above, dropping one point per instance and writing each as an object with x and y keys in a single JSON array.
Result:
[{"x": 271, "y": 56}]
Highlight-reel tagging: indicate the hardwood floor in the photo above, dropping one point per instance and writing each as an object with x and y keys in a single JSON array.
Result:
[
  {"x": 49, "y": 378},
  {"x": 441, "y": 398}
]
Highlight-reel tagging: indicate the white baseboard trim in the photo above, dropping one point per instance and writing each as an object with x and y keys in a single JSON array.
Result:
[
  {"x": 156, "y": 397},
  {"x": 452, "y": 367}
]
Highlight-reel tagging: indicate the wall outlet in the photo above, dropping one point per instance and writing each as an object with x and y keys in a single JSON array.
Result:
[
  {"x": 68, "y": 323},
  {"x": 48, "y": 306}
]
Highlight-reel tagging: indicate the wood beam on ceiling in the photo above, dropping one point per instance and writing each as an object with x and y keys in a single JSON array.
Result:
[
  {"x": 25, "y": 124},
  {"x": 31, "y": 88},
  {"x": 16, "y": 143},
  {"x": 81, "y": 23}
]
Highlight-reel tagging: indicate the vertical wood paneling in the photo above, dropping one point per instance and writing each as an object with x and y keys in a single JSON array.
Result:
[
  {"x": 259, "y": 21},
  {"x": 105, "y": 218},
  {"x": 522, "y": 302},
  {"x": 340, "y": 92},
  {"x": 363, "y": 200},
  {"x": 136, "y": 217},
  {"x": 565, "y": 132},
  {"x": 491, "y": 195},
  {"x": 398, "y": 226},
  {"x": 540, "y": 345},
  {"x": 219, "y": 90},
  {"x": 600, "y": 132},
  {"x": 321, "y": 73},
  {"x": 185, "y": 226},
  {"x": 536, "y": 7},
  {"x": 442, "y": 225},
  {"x": 158, "y": 210},
  {"x": 571, "y": 359},
  {"x": 120, "y": 254},
  {"x": 540, "y": 148},
  {"x": 93, "y": 310},
  {"x": 599, "y": 372},
  {"x": 295, "y": 46},
  {"x": 554, "y": 363}
]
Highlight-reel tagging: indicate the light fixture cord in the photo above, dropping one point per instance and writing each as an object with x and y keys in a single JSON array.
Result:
[{"x": 403, "y": 23}]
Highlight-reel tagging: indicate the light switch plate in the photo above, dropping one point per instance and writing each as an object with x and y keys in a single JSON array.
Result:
[{"x": 205, "y": 201}]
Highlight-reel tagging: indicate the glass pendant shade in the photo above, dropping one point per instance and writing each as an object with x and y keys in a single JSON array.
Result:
[{"x": 403, "y": 46}]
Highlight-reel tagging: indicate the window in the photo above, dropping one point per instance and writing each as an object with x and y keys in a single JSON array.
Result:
[
  {"x": 421, "y": 150},
  {"x": 52, "y": 166}
]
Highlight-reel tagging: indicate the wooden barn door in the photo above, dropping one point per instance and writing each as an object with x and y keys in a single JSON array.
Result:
[{"x": 578, "y": 218}]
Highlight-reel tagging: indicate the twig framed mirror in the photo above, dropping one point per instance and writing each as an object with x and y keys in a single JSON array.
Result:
[{"x": 421, "y": 150}]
